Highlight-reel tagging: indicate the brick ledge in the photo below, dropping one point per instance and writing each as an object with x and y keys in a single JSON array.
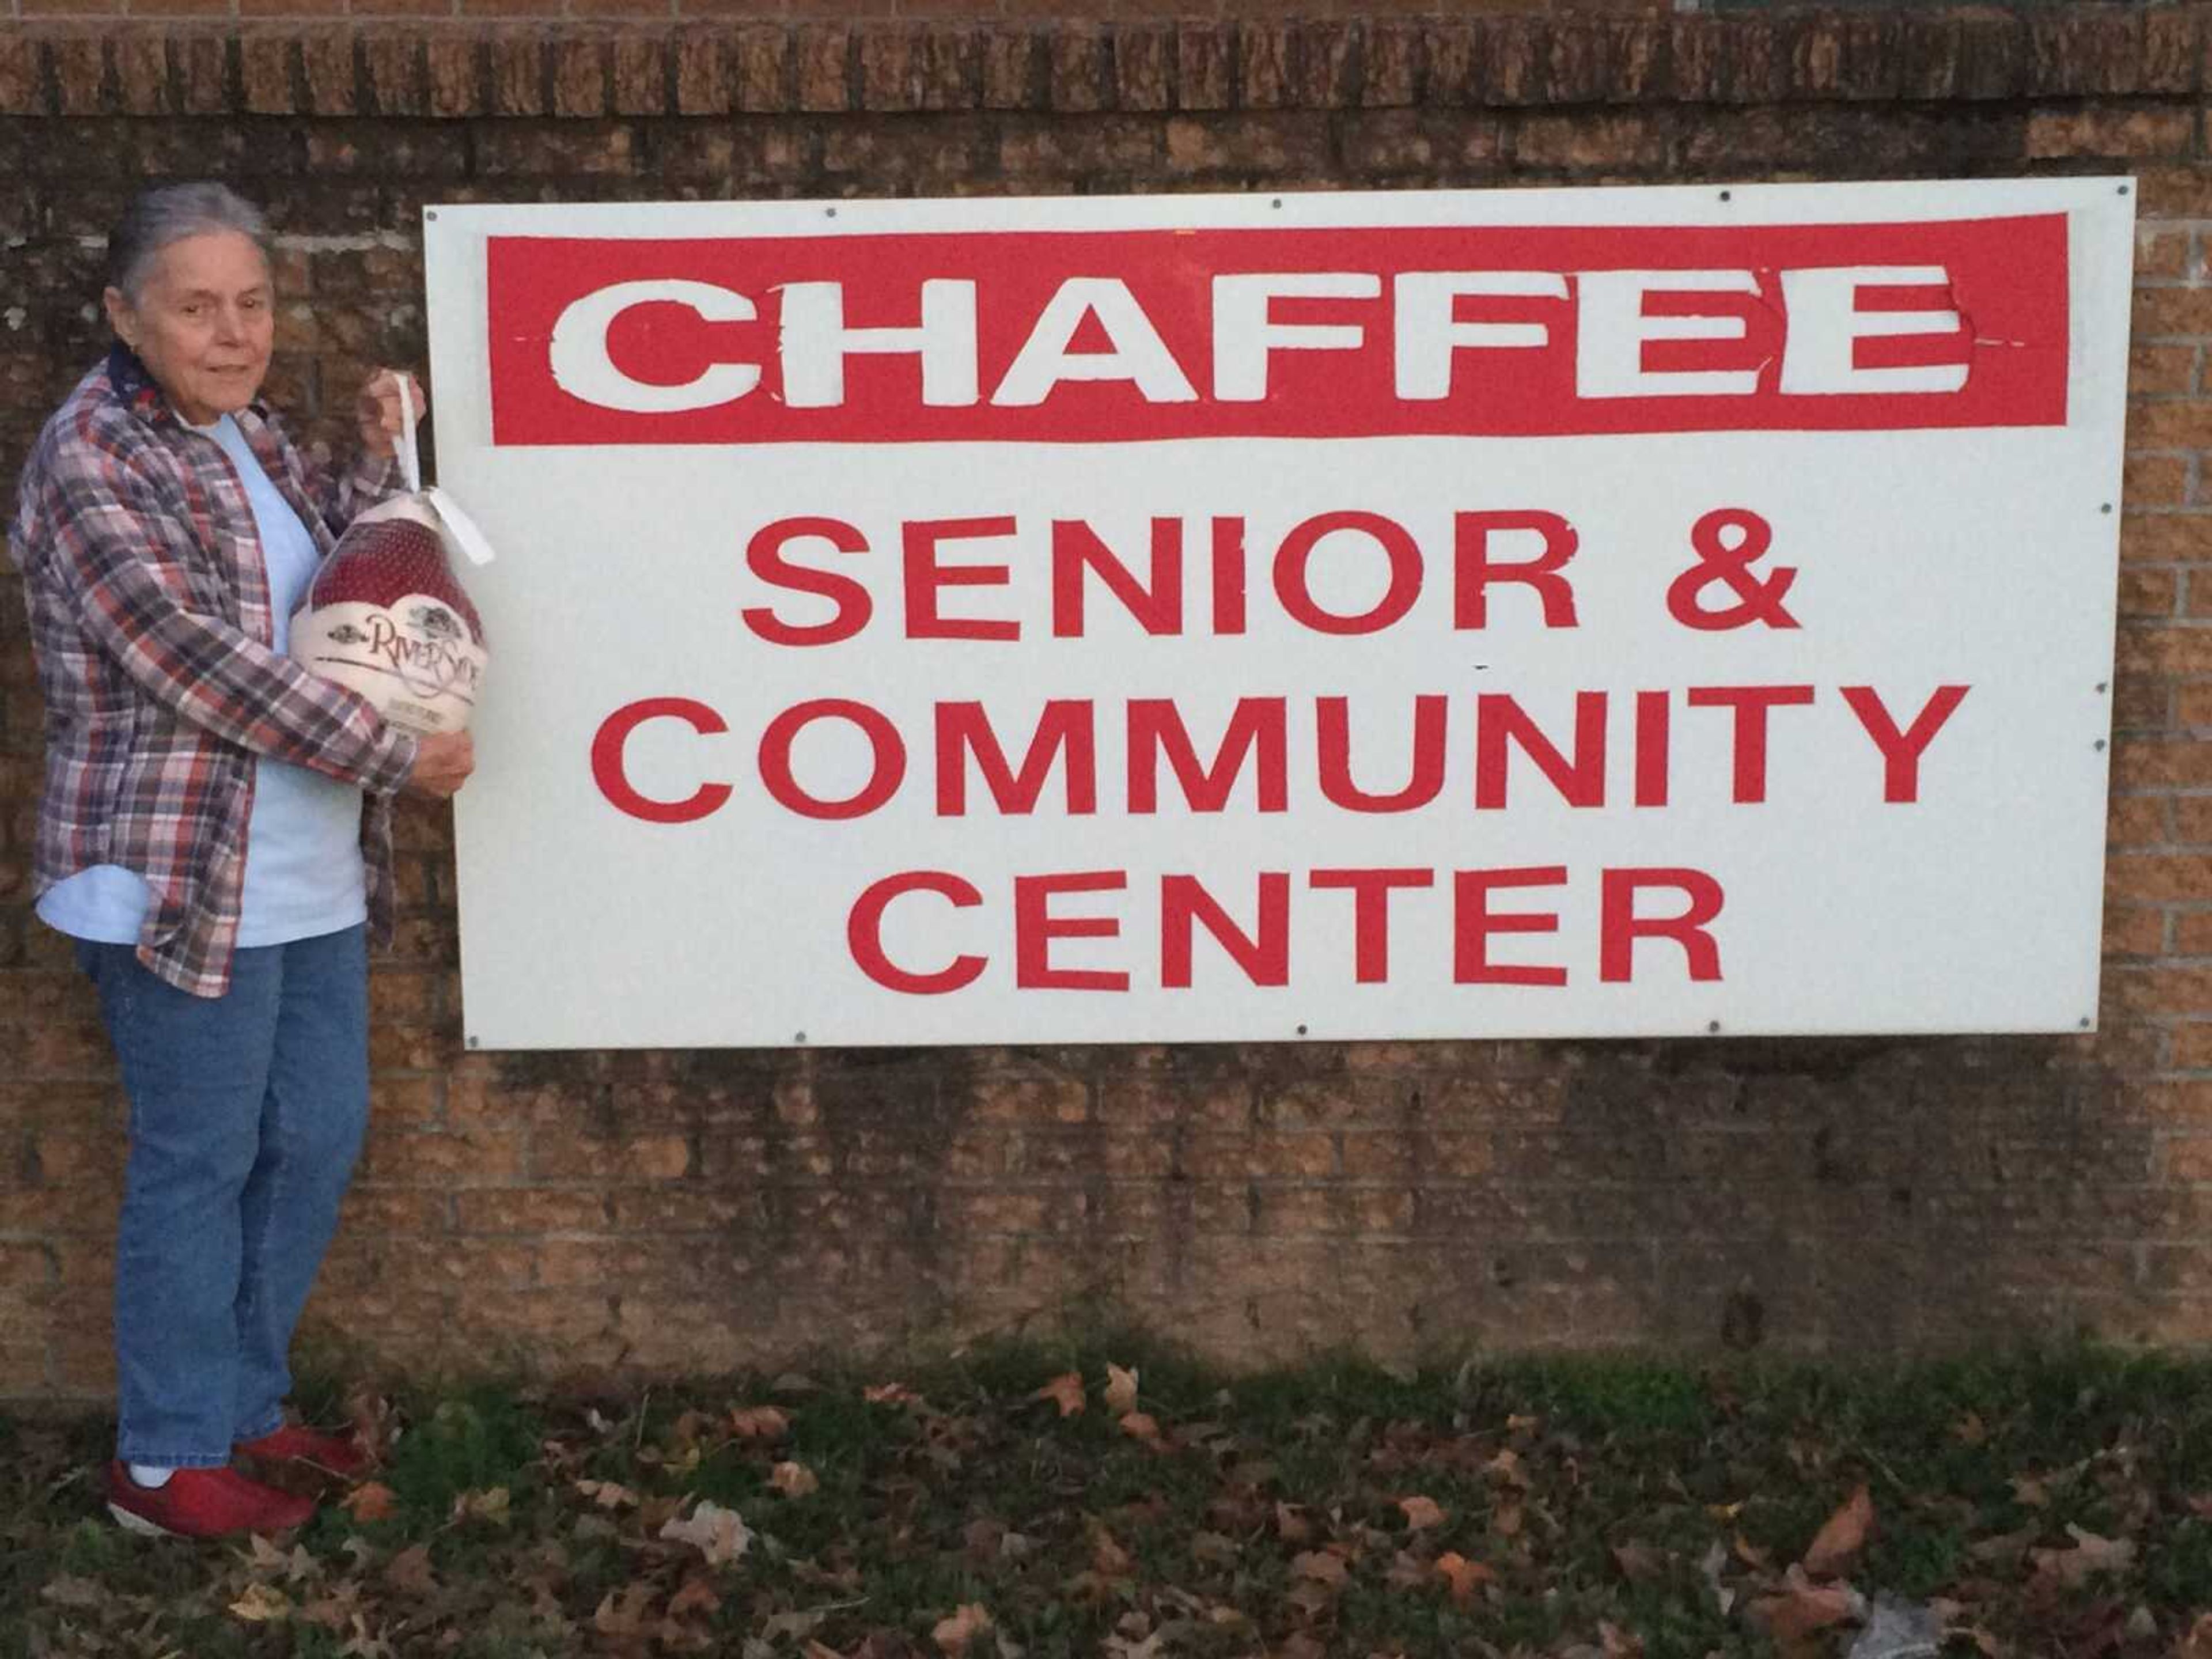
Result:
[{"x": 563, "y": 67}]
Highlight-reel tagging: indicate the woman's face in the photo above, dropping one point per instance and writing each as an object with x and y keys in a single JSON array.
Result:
[{"x": 203, "y": 324}]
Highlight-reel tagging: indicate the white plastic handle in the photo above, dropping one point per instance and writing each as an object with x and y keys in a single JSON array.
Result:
[{"x": 411, "y": 457}]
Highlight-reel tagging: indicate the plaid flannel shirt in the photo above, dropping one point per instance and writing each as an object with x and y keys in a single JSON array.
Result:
[{"x": 149, "y": 617}]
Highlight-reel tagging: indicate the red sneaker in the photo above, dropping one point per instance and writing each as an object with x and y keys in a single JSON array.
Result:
[
  {"x": 202, "y": 1503},
  {"x": 334, "y": 1453}
]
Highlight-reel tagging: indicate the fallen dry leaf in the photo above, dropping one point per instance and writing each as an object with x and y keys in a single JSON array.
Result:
[
  {"x": 490, "y": 1505},
  {"x": 1841, "y": 1537},
  {"x": 1969, "y": 1431},
  {"x": 2090, "y": 1554},
  {"x": 371, "y": 1501},
  {"x": 408, "y": 1571},
  {"x": 890, "y": 1394},
  {"x": 969, "y": 1621},
  {"x": 1140, "y": 1425},
  {"x": 1462, "y": 1574},
  {"x": 1290, "y": 1526},
  {"x": 759, "y": 1423},
  {"x": 1065, "y": 1391},
  {"x": 262, "y": 1603},
  {"x": 1320, "y": 1565},
  {"x": 793, "y": 1480},
  {"x": 696, "y": 1596},
  {"x": 1120, "y": 1390},
  {"x": 608, "y": 1494},
  {"x": 1803, "y": 1609},
  {"x": 1639, "y": 1563},
  {"x": 720, "y": 1534},
  {"x": 1421, "y": 1513},
  {"x": 64, "y": 1592}
]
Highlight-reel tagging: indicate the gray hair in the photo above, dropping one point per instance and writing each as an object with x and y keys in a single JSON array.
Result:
[{"x": 168, "y": 214}]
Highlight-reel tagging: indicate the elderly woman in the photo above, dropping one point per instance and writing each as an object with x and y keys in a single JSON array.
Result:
[{"x": 214, "y": 834}]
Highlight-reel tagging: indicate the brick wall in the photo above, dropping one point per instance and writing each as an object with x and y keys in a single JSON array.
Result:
[{"x": 690, "y": 1210}]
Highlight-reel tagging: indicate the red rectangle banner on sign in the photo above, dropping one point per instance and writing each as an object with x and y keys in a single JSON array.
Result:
[{"x": 1131, "y": 335}]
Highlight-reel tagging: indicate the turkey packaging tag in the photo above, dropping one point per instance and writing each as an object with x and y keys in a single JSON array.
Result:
[{"x": 385, "y": 615}]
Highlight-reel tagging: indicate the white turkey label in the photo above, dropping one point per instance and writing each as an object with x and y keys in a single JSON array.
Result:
[{"x": 414, "y": 661}]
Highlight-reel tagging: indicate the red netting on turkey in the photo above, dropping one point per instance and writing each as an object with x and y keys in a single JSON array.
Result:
[{"x": 385, "y": 615}]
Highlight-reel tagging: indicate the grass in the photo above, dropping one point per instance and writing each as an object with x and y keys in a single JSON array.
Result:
[{"x": 2058, "y": 1503}]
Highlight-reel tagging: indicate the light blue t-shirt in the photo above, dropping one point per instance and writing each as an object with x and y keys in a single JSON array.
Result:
[{"x": 303, "y": 870}]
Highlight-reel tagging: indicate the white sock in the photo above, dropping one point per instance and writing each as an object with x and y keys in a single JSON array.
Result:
[{"x": 146, "y": 1474}]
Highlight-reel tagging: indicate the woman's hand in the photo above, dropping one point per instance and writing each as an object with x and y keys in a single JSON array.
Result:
[
  {"x": 443, "y": 762},
  {"x": 378, "y": 409}
]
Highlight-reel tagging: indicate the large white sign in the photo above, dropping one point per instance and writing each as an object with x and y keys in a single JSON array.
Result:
[{"x": 1378, "y": 614}]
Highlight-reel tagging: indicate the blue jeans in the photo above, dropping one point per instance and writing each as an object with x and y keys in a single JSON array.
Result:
[{"x": 247, "y": 1113}]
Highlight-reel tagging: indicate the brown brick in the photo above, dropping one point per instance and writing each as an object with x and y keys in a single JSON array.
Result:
[
  {"x": 703, "y": 73},
  {"x": 455, "y": 86},
  {"x": 79, "y": 71},
  {"x": 640, "y": 75},
  {"x": 2122, "y": 131},
  {"x": 1145, "y": 66},
  {"x": 533, "y": 1209},
  {"x": 2167, "y": 537},
  {"x": 557, "y": 1157},
  {"x": 2086, "y": 50},
  {"x": 2174, "y": 192},
  {"x": 2150, "y": 877},
  {"x": 580, "y": 77},
  {"x": 1014, "y": 72},
  {"x": 889, "y": 79},
  {"x": 328, "y": 70},
  {"x": 1266, "y": 76},
  {"x": 2164, "y": 371},
  {"x": 2149, "y": 481},
  {"x": 2134, "y": 932},
  {"x": 2169, "y": 52},
  {"x": 763, "y": 59},
  {"x": 2149, "y": 592},
  {"x": 1078, "y": 73},
  {"x": 267, "y": 62},
  {"x": 2178, "y": 649},
  {"x": 517, "y": 72},
  {"x": 1206, "y": 65},
  {"x": 2192, "y": 1046},
  {"x": 2171, "y": 424},
  {"x": 2135, "y": 821},
  {"x": 21, "y": 89},
  {"x": 477, "y": 1157},
  {"x": 1642, "y": 141},
  {"x": 142, "y": 69},
  {"x": 823, "y": 54},
  {"x": 1329, "y": 59}
]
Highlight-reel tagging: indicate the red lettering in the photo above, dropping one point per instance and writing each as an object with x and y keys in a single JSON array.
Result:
[
  {"x": 607, "y": 745},
  {"x": 1035, "y": 927},
  {"x": 1498, "y": 717},
  {"x": 1619, "y": 927},
  {"x": 1901, "y": 750},
  {"x": 1751, "y": 703},
  {"x": 1473, "y": 922},
  {"x": 1265, "y": 960},
  {"x": 1334, "y": 757},
  {"x": 1293, "y": 558},
  {"x": 885, "y": 777},
  {"x": 1076, "y": 547},
  {"x": 1652, "y": 715},
  {"x": 1228, "y": 575},
  {"x": 1064, "y": 727},
  {"x": 1370, "y": 913},
  {"x": 1257, "y": 724},
  {"x": 764, "y": 556},
  {"x": 864, "y": 933},
  {"x": 925, "y": 576},
  {"x": 1476, "y": 570}
]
